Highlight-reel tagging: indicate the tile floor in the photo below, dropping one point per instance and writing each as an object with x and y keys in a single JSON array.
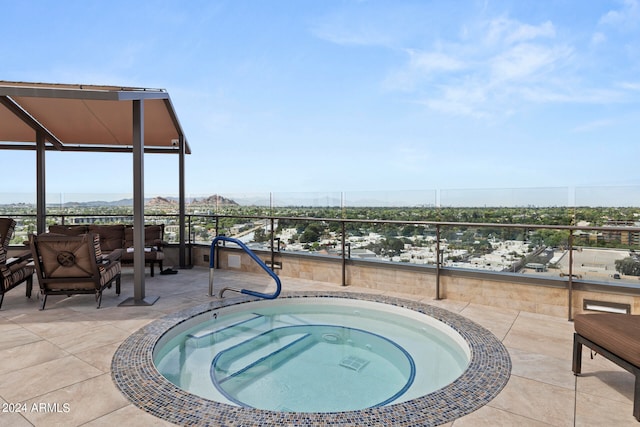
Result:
[{"x": 55, "y": 364}]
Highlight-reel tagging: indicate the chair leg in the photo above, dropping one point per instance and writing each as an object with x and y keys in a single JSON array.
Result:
[
  {"x": 577, "y": 355},
  {"x": 636, "y": 396},
  {"x": 29, "y": 286},
  {"x": 118, "y": 285},
  {"x": 151, "y": 265},
  {"x": 1, "y": 298},
  {"x": 44, "y": 300},
  {"x": 99, "y": 298}
]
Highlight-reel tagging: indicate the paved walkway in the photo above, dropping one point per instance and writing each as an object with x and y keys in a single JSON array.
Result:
[{"x": 55, "y": 364}]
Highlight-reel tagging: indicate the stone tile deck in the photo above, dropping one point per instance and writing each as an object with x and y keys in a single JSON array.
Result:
[{"x": 56, "y": 363}]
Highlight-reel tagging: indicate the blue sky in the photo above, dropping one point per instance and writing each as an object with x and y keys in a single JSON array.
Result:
[{"x": 313, "y": 96}]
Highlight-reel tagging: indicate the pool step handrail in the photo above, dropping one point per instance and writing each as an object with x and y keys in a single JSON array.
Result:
[{"x": 255, "y": 257}]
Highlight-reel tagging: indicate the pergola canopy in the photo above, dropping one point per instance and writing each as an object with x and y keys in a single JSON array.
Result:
[
  {"x": 85, "y": 117},
  {"x": 65, "y": 117}
]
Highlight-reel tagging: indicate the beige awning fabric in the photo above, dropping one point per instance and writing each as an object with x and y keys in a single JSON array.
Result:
[{"x": 85, "y": 117}]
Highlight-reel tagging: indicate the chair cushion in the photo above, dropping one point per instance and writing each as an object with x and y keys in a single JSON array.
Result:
[
  {"x": 109, "y": 272},
  {"x": 153, "y": 235},
  {"x": 618, "y": 333},
  {"x": 66, "y": 258},
  {"x": 7, "y": 227},
  {"x": 13, "y": 273},
  {"x": 68, "y": 230},
  {"x": 111, "y": 236},
  {"x": 127, "y": 256},
  {"x": 17, "y": 273}
]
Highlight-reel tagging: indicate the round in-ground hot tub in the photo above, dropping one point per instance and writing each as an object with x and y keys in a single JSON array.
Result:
[{"x": 254, "y": 346}]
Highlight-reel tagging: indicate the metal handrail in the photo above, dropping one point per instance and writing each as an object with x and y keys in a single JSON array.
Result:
[{"x": 249, "y": 252}]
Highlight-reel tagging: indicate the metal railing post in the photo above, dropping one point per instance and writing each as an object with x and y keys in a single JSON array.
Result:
[
  {"x": 216, "y": 254},
  {"x": 344, "y": 257},
  {"x": 273, "y": 255},
  {"x": 188, "y": 217},
  {"x": 570, "y": 284},
  {"x": 437, "y": 262}
]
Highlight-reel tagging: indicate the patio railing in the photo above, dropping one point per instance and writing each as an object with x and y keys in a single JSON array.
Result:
[{"x": 604, "y": 256}]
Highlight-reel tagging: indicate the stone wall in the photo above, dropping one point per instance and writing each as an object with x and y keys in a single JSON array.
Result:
[{"x": 503, "y": 290}]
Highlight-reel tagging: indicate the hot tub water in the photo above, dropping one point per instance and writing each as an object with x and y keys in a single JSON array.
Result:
[{"x": 312, "y": 355}]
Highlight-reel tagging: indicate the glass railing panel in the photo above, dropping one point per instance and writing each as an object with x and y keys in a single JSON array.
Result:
[
  {"x": 494, "y": 248},
  {"x": 25, "y": 225},
  {"x": 382, "y": 199},
  {"x": 397, "y": 243},
  {"x": 22, "y": 208},
  {"x": 201, "y": 229},
  {"x": 306, "y": 235},
  {"x": 505, "y": 197},
  {"x": 608, "y": 196},
  {"x": 614, "y": 266},
  {"x": 229, "y": 204},
  {"x": 18, "y": 203},
  {"x": 89, "y": 203},
  {"x": 610, "y": 254},
  {"x": 307, "y": 199},
  {"x": 312, "y": 204},
  {"x": 606, "y": 255}
]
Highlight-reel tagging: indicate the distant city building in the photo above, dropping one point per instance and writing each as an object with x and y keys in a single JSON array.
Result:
[
  {"x": 625, "y": 237},
  {"x": 537, "y": 267},
  {"x": 100, "y": 220}
]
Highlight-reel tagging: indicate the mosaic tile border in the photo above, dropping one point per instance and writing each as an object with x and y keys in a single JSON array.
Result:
[{"x": 134, "y": 373}]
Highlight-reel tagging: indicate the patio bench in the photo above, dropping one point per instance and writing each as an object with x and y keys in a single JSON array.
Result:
[{"x": 614, "y": 336}]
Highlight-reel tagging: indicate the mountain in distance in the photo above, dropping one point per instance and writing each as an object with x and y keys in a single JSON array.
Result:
[
  {"x": 158, "y": 202},
  {"x": 215, "y": 200}
]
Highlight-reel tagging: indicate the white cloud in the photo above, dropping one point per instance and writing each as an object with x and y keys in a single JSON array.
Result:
[
  {"x": 421, "y": 67},
  {"x": 488, "y": 71},
  {"x": 434, "y": 61},
  {"x": 626, "y": 17},
  {"x": 359, "y": 37},
  {"x": 502, "y": 65},
  {"x": 464, "y": 100},
  {"x": 366, "y": 28},
  {"x": 598, "y": 38},
  {"x": 630, "y": 85},
  {"x": 596, "y": 124},
  {"x": 527, "y": 32},
  {"x": 527, "y": 60},
  {"x": 554, "y": 94},
  {"x": 494, "y": 67},
  {"x": 507, "y": 31}
]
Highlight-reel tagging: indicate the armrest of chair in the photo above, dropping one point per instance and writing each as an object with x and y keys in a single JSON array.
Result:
[
  {"x": 112, "y": 256},
  {"x": 156, "y": 244},
  {"x": 23, "y": 256}
]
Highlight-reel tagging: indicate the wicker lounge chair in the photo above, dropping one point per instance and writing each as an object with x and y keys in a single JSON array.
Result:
[
  {"x": 68, "y": 265},
  {"x": 614, "y": 336},
  {"x": 18, "y": 269}
]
